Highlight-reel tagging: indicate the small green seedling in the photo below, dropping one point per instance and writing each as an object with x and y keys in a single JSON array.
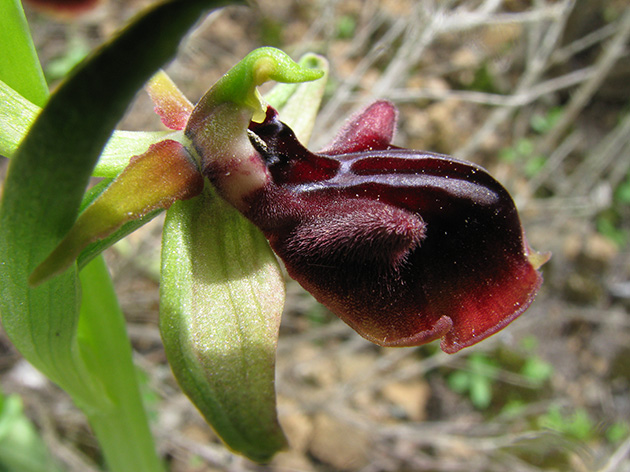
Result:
[{"x": 476, "y": 380}]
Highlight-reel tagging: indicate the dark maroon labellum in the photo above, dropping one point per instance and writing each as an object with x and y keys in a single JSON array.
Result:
[{"x": 405, "y": 246}]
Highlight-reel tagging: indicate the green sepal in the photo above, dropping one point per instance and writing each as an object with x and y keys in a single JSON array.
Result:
[
  {"x": 221, "y": 299},
  {"x": 125, "y": 144},
  {"x": 17, "y": 115},
  {"x": 152, "y": 181}
]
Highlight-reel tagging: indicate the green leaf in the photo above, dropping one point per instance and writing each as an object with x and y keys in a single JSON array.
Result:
[
  {"x": 543, "y": 123},
  {"x": 459, "y": 381},
  {"x": 480, "y": 392},
  {"x": 524, "y": 147},
  {"x": 19, "y": 64},
  {"x": 534, "y": 165},
  {"x": 529, "y": 343},
  {"x": 622, "y": 194},
  {"x": 481, "y": 365},
  {"x": 346, "y": 27},
  {"x": 120, "y": 424},
  {"x": 617, "y": 432},
  {"x": 513, "y": 408},
  {"x": 609, "y": 227},
  {"x": 76, "y": 50},
  {"x": 578, "y": 425},
  {"x": 221, "y": 298},
  {"x": 16, "y": 117}
]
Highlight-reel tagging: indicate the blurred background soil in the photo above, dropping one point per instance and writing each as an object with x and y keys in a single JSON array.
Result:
[{"x": 538, "y": 92}]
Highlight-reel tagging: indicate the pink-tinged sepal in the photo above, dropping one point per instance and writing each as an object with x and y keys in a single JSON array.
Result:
[
  {"x": 170, "y": 103},
  {"x": 368, "y": 130},
  {"x": 404, "y": 246}
]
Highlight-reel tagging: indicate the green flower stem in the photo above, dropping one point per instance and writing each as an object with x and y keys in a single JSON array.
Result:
[{"x": 121, "y": 430}]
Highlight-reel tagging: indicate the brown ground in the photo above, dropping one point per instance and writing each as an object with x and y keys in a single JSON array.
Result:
[{"x": 469, "y": 77}]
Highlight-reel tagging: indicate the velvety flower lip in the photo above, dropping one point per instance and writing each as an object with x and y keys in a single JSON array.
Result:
[{"x": 405, "y": 246}]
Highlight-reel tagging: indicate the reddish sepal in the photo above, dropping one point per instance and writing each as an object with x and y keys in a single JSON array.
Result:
[{"x": 369, "y": 130}]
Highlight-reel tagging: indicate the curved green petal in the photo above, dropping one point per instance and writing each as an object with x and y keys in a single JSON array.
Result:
[
  {"x": 239, "y": 84},
  {"x": 298, "y": 104}
]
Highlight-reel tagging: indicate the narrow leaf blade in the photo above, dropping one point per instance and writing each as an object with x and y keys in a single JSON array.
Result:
[{"x": 19, "y": 64}]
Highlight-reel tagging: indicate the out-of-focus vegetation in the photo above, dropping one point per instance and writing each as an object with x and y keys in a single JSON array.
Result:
[{"x": 538, "y": 92}]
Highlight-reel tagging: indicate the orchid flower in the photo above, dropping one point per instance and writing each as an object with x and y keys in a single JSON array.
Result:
[{"x": 405, "y": 246}]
